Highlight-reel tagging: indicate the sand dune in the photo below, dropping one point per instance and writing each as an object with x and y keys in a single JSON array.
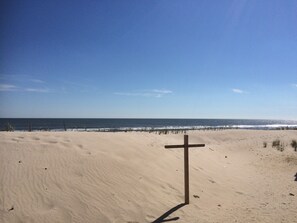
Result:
[{"x": 130, "y": 177}]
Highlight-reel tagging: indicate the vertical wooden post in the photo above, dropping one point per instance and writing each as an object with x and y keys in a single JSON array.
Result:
[{"x": 186, "y": 168}]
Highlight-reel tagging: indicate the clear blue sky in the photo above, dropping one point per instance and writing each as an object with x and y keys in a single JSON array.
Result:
[{"x": 150, "y": 59}]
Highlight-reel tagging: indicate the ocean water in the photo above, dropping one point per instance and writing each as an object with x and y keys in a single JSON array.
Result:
[{"x": 78, "y": 124}]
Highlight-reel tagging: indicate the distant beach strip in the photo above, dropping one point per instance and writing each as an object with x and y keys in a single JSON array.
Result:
[{"x": 149, "y": 125}]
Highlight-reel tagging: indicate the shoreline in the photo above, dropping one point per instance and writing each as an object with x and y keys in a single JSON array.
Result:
[
  {"x": 160, "y": 129},
  {"x": 122, "y": 125}
]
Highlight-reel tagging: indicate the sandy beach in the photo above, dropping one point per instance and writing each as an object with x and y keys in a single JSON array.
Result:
[{"x": 131, "y": 178}]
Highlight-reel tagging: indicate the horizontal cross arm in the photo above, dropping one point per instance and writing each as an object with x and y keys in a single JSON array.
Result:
[
  {"x": 196, "y": 145},
  {"x": 183, "y": 146},
  {"x": 174, "y": 146}
]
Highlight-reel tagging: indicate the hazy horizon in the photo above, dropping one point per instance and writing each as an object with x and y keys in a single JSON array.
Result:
[{"x": 149, "y": 118}]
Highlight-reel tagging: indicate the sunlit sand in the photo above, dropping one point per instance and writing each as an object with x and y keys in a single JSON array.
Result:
[{"x": 130, "y": 177}]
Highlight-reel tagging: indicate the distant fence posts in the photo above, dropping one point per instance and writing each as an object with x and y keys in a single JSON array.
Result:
[
  {"x": 30, "y": 127},
  {"x": 64, "y": 124}
]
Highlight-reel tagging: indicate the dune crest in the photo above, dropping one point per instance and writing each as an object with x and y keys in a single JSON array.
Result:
[{"x": 130, "y": 177}]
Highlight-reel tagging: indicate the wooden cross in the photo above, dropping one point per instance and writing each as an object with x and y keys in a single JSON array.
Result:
[{"x": 186, "y": 146}]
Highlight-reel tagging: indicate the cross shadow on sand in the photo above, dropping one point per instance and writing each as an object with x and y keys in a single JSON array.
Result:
[
  {"x": 163, "y": 217},
  {"x": 295, "y": 177}
]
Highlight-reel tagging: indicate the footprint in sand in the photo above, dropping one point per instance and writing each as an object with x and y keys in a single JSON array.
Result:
[
  {"x": 212, "y": 181},
  {"x": 78, "y": 173},
  {"x": 47, "y": 205},
  {"x": 52, "y": 142},
  {"x": 150, "y": 218},
  {"x": 87, "y": 152}
]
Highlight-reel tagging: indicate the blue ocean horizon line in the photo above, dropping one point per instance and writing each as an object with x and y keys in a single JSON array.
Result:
[
  {"x": 141, "y": 124},
  {"x": 272, "y": 119}
]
